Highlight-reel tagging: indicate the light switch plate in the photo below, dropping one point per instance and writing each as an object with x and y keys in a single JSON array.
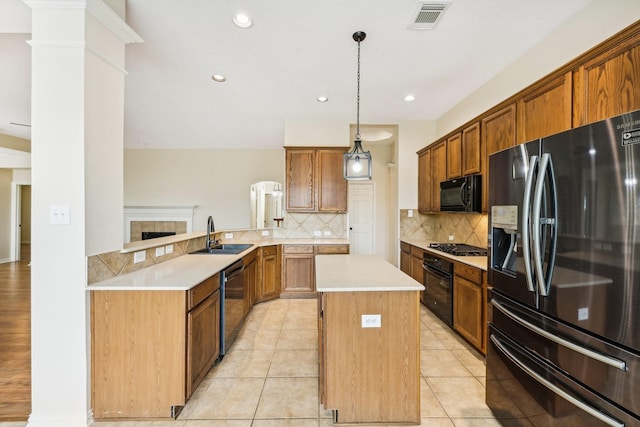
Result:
[
  {"x": 265, "y": 232},
  {"x": 371, "y": 320},
  {"x": 168, "y": 249},
  {"x": 228, "y": 235},
  {"x": 59, "y": 215},
  {"x": 160, "y": 251},
  {"x": 317, "y": 233}
]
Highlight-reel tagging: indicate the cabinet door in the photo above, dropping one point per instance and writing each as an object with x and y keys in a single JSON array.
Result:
[
  {"x": 467, "y": 310},
  {"x": 471, "y": 150},
  {"x": 439, "y": 173},
  {"x": 203, "y": 340},
  {"x": 405, "y": 258},
  {"x": 498, "y": 132},
  {"x": 332, "y": 187},
  {"x": 298, "y": 273},
  {"x": 250, "y": 283},
  {"x": 454, "y": 156},
  {"x": 270, "y": 284},
  {"x": 424, "y": 181},
  {"x": 546, "y": 110},
  {"x": 609, "y": 84},
  {"x": 300, "y": 165}
]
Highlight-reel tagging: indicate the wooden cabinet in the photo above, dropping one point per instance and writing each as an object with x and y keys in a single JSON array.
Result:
[
  {"x": 468, "y": 304},
  {"x": 454, "y": 156},
  {"x": 432, "y": 169},
  {"x": 250, "y": 280},
  {"x": 405, "y": 258},
  {"x": 370, "y": 375},
  {"x": 545, "y": 110},
  {"x": 609, "y": 84},
  {"x": 151, "y": 349},
  {"x": 425, "y": 190},
  {"x": 298, "y": 267},
  {"x": 439, "y": 174},
  {"x": 298, "y": 274},
  {"x": 498, "y": 131},
  {"x": 269, "y": 274},
  {"x": 315, "y": 181},
  {"x": 471, "y": 150},
  {"x": 203, "y": 333}
]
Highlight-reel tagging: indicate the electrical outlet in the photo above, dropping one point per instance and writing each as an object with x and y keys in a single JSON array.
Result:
[
  {"x": 450, "y": 237},
  {"x": 159, "y": 251},
  {"x": 410, "y": 213},
  {"x": 371, "y": 320},
  {"x": 317, "y": 233},
  {"x": 327, "y": 233},
  {"x": 139, "y": 256},
  {"x": 228, "y": 235},
  {"x": 265, "y": 232},
  {"x": 168, "y": 249}
]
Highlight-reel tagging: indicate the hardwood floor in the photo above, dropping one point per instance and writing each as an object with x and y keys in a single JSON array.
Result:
[{"x": 15, "y": 338}]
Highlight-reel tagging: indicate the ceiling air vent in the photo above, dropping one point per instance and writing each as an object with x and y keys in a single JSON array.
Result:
[{"x": 427, "y": 15}]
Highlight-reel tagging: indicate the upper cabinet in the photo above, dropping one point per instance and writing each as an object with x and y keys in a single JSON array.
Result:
[
  {"x": 424, "y": 181},
  {"x": 454, "y": 156},
  {"x": 609, "y": 84},
  {"x": 545, "y": 110},
  {"x": 315, "y": 181},
  {"x": 432, "y": 169},
  {"x": 471, "y": 150}
]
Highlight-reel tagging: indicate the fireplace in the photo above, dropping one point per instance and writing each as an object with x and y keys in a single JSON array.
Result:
[{"x": 156, "y": 222}]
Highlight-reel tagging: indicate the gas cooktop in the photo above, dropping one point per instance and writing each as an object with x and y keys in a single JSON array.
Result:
[{"x": 459, "y": 249}]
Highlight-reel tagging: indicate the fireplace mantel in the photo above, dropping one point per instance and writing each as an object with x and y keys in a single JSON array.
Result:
[{"x": 156, "y": 213}]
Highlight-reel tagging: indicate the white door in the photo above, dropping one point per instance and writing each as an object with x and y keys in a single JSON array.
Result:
[{"x": 361, "y": 217}]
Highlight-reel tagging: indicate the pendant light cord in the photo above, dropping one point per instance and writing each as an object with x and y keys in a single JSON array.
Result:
[{"x": 358, "y": 98}]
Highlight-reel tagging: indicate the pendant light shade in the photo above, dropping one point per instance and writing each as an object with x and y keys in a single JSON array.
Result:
[{"x": 357, "y": 162}]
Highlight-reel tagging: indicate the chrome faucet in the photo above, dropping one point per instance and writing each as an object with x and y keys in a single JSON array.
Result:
[{"x": 211, "y": 228}]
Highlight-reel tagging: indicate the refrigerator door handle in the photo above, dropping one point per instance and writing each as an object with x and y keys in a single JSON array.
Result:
[
  {"x": 555, "y": 389},
  {"x": 543, "y": 287},
  {"x": 526, "y": 212},
  {"x": 611, "y": 361}
]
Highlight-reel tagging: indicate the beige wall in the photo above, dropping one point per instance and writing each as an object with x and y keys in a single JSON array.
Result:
[
  {"x": 216, "y": 181},
  {"x": 598, "y": 21}
]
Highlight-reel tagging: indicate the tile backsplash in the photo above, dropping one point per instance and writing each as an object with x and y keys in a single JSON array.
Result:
[{"x": 469, "y": 228}]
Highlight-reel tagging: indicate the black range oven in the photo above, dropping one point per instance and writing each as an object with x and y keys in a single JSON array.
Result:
[{"x": 438, "y": 284}]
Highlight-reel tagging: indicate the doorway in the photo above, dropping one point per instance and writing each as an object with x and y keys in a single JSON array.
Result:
[{"x": 20, "y": 221}]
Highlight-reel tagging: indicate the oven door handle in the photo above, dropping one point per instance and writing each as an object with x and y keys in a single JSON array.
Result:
[
  {"x": 613, "y": 362},
  {"x": 555, "y": 389},
  {"x": 436, "y": 272}
]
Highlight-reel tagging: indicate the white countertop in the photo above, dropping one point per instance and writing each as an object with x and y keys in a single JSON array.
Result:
[
  {"x": 186, "y": 271},
  {"x": 360, "y": 273},
  {"x": 474, "y": 261}
]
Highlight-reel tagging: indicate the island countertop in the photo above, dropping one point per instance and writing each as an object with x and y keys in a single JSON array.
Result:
[{"x": 360, "y": 273}]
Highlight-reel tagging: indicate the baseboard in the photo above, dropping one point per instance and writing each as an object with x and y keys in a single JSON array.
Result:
[
  {"x": 57, "y": 420},
  {"x": 4, "y": 260}
]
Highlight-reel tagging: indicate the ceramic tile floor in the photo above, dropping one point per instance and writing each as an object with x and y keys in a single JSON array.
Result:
[{"x": 270, "y": 377}]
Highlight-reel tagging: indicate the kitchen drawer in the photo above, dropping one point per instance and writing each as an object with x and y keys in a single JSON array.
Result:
[
  {"x": 333, "y": 249},
  {"x": 405, "y": 247},
  {"x": 201, "y": 291},
  {"x": 468, "y": 272},
  {"x": 250, "y": 257},
  {"x": 269, "y": 250},
  {"x": 297, "y": 249},
  {"x": 417, "y": 252}
]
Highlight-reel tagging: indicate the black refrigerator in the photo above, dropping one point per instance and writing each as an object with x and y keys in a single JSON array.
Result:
[{"x": 564, "y": 264}]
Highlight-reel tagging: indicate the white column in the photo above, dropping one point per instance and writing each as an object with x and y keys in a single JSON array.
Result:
[{"x": 77, "y": 118}]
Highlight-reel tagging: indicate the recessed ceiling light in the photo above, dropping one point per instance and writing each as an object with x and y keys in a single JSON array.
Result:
[
  {"x": 242, "y": 20},
  {"x": 322, "y": 99},
  {"x": 218, "y": 78},
  {"x": 409, "y": 98}
]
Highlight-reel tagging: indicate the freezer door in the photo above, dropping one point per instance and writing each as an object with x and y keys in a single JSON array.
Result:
[
  {"x": 508, "y": 171},
  {"x": 610, "y": 370},
  {"x": 596, "y": 283},
  {"x": 522, "y": 387}
]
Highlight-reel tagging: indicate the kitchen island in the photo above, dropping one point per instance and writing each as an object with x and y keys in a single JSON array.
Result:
[{"x": 369, "y": 340}]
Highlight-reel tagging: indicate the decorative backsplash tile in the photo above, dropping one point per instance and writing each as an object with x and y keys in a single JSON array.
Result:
[
  {"x": 469, "y": 228},
  {"x": 303, "y": 226}
]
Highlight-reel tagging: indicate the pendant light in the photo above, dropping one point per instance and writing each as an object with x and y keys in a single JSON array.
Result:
[{"x": 357, "y": 162}]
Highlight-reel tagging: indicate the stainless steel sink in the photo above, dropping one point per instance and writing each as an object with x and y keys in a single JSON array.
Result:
[{"x": 224, "y": 249}]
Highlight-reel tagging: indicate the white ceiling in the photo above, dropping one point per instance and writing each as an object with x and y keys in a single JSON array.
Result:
[{"x": 295, "y": 52}]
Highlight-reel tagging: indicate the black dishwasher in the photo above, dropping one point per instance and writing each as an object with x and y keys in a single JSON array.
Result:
[
  {"x": 232, "y": 304},
  {"x": 438, "y": 286}
]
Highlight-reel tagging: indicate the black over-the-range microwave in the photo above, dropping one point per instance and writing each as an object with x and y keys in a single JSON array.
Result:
[{"x": 461, "y": 194}]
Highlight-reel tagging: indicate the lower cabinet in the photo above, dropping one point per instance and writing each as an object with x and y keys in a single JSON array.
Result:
[
  {"x": 298, "y": 267},
  {"x": 469, "y": 305},
  {"x": 405, "y": 258},
  {"x": 250, "y": 280},
  {"x": 151, "y": 349},
  {"x": 269, "y": 274}
]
